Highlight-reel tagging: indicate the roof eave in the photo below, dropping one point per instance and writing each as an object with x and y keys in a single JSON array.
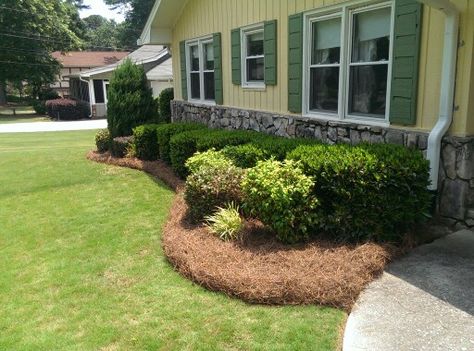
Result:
[{"x": 159, "y": 26}]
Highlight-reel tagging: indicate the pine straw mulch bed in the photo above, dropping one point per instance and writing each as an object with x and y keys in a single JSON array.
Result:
[{"x": 259, "y": 269}]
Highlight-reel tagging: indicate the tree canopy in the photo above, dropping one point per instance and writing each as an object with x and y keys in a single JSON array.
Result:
[
  {"x": 29, "y": 31},
  {"x": 136, "y": 15}
]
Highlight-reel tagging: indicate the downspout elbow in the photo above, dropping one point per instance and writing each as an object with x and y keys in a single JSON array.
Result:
[{"x": 446, "y": 108}]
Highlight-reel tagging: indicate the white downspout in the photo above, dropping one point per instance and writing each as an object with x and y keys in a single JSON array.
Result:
[
  {"x": 448, "y": 76},
  {"x": 90, "y": 90}
]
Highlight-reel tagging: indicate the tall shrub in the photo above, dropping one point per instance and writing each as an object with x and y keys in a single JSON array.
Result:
[
  {"x": 164, "y": 101},
  {"x": 130, "y": 100}
]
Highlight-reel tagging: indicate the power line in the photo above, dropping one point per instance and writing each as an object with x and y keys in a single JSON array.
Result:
[
  {"x": 63, "y": 42},
  {"x": 29, "y": 63}
]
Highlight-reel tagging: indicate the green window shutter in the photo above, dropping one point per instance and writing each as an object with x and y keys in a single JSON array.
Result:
[
  {"x": 295, "y": 62},
  {"x": 219, "y": 96},
  {"x": 270, "y": 50},
  {"x": 406, "y": 54},
  {"x": 184, "y": 78},
  {"x": 236, "y": 58}
]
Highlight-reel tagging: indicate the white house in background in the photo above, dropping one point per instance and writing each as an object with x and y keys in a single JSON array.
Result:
[
  {"x": 91, "y": 85},
  {"x": 75, "y": 62}
]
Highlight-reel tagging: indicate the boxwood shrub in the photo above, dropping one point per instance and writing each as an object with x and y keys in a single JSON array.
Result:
[
  {"x": 184, "y": 145},
  {"x": 102, "y": 140},
  {"x": 264, "y": 147},
  {"x": 281, "y": 196},
  {"x": 366, "y": 192},
  {"x": 145, "y": 142},
  {"x": 213, "y": 183},
  {"x": 120, "y": 146},
  {"x": 164, "y": 133}
]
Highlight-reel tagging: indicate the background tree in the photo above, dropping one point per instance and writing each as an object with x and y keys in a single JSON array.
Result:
[
  {"x": 136, "y": 15},
  {"x": 29, "y": 31},
  {"x": 130, "y": 100},
  {"x": 101, "y": 34}
]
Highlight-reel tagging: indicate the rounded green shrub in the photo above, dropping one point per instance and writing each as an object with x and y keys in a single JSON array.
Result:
[
  {"x": 130, "y": 100},
  {"x": 145, "y": 142},
  {"x": 367, "y": 192},
  {"x": 121, "y": 146},
  {"x": 280, "y": 195},
  {"x": 246, "y": 155},
  {"x": 102, "y": 140},
  {"x": 209, "y": 158},
  {"x": 164, "y": 103},
  {"x": 39, "y": 106},
  {"x": 212, "y": 185},
  {"x": 164, "y": 133}
]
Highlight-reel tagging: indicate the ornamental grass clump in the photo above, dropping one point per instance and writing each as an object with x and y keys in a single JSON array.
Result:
[
  {"x": 280, "y": 195},
  {"x": 226, "y": 223}
]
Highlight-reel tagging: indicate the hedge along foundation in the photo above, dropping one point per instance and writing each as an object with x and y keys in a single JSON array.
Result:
[{"x": 455, "y": 203}]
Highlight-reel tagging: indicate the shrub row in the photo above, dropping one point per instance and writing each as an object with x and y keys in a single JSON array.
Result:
[
  {"x": 120, "y": 146},
  {"x": 67, "y": 109},
  {"x": 368, "y": 192},
  {"x": 151, "y": 141}
]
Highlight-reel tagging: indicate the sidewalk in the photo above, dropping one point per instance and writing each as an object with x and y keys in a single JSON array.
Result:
[
  {"x": 53, "y": 126},
  {"x": 425, "y": 301}
]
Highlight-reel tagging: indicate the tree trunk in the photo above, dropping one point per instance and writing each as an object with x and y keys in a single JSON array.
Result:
[{"x": 3, "y": 94}]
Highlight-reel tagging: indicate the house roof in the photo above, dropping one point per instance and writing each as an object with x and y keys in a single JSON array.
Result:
[
  {"x": 143, "y": 55},
  {"x": 88, "y": 58},
  {"x": 159, "y": 25},
  {"x": 164, "y": 71}
]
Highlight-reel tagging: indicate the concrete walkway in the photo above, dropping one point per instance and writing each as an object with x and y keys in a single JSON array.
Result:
[
  {"x": 424, "y": 301},
  {"x": 53, "y": 126}
]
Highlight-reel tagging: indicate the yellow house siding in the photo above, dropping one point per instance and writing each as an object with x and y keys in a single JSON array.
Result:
[{"x": 204, "y": 17}]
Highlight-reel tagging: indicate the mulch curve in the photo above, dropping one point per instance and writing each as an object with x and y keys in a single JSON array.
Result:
[{"x": 258, "y": 268}]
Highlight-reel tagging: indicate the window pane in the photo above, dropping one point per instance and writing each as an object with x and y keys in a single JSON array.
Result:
[
  {"x": 368, "y": 90},
  {"x": 324, "y": 89},
  {"x": 326, "y": 41},
  {"x": 371, "y": 40},
  {"x": 255, "y": 69},
  {"x": 209, "y": 56},
  {"x": 99, "y": 91},
  {"x": 255, "y": 44},
  {"x": 194, "y": 57},
  {"x": 195, "y": 86},
  {"x": 209, "y": 86}
]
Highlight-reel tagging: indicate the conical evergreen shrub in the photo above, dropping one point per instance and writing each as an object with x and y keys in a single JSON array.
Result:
[{"x": 130, "y": 100}]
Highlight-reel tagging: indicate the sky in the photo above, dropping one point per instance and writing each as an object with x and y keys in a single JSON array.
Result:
[{"x": 98, "y": 7}]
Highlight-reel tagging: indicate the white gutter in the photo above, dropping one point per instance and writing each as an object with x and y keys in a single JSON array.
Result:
[{"x": 448, "y": 76}]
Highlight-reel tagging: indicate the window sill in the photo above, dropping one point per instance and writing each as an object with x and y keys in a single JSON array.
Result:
[
  {"x": 201, "y": 102},
  {"x": 363, "y": 121},
  {"x": 254, "y": 87}
]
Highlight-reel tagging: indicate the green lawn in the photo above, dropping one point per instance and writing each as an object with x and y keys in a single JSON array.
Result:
[
  {"x": 82, "y": 268},
  {"x": 24, "y": 114}
]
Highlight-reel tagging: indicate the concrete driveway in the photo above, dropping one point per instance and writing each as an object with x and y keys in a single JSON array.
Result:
[
  {"x": 53, "y": 126},
  {"x": 424, "y": 301}
]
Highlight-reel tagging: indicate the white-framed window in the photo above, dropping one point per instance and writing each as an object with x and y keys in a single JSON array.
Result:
[
  {"x": 253, "y": 56},
  {"x": 347, "y": 62},
  {"x": 200, "y": 68}
]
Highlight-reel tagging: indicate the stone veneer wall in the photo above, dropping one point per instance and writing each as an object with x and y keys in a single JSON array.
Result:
[{"x": 456, "y": 184}]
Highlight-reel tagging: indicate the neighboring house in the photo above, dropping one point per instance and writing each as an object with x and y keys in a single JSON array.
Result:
[
  {"x": 339, "y": 71},
  {"x": 74, "y": 62},
  {"x": 91, "y": 86}
]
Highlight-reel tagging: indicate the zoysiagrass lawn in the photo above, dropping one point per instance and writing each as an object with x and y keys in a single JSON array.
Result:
[{"x": 81, "y": 266}]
